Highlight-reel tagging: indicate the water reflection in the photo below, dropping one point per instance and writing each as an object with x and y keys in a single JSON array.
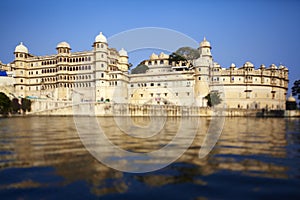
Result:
[{"x": 42, "y": 152}]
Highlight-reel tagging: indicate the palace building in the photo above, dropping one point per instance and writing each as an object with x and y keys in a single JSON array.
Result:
[{"x": 104, "y": 71}]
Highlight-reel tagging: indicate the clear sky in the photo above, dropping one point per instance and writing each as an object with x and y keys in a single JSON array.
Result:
[{"x": 259, "y": 31}]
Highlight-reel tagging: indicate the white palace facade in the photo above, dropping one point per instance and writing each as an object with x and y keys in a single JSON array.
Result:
[{"x": 104, "y": 71}]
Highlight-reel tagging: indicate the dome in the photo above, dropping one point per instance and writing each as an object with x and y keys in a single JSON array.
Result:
[
  {"x": 153, "y": 56},
  {"x": 101, "y": 38},
  {"x": 281, "y": 67},
  {"x": 205, "y": 43},
  {"x": 273, "y": 66},
  {"x": 248, "y": 64},
  {"x": 63, "y": 45},
  {"x": 21, "y": 48},
  {"x": 291, "y": 99},
  {"x": 122, "y": 52},
  {"x": 232, "y": 65},
  {"x": 163, "y": 55},
  {"x": 262, "y": 66}
]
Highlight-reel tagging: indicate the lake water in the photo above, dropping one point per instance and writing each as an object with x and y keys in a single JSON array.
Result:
[{"x": 254, "y": 158}]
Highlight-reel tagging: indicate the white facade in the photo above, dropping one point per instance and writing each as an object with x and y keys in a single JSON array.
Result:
[{"x": 104, "y": 72}]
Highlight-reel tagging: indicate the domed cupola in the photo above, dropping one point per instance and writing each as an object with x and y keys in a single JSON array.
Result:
[
  {"x": 123, "y": 53},
  {"x": 100, "y": 38},
  {"x": 205, "y": 43},
  {"x": 63, "y": 47},
  {"x": 21, "y": 51},
  {"x": 205, "y": 48},
  {"x": 21, "y": 48},
  {"x": 100, "y": 43}
]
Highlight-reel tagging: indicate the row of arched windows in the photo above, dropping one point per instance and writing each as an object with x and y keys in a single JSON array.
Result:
[
  {"x": 52, "y": 70},
  {"x": 74, "y": 68},
  {"x": 65, "y": 85},
  {"x": 69, "y": 78},
  {"x": 71, "y": 60},
  {"x": 49, "y": 62}
]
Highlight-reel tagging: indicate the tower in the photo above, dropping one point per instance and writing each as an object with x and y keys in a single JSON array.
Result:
[
  {"x": 202, "y": 73},
  {"x": 123, "y": 60},
  {"x": 63, "y": 54},
  {"x": 101, "y": 65},
  {"x": 20, "y": 68}
]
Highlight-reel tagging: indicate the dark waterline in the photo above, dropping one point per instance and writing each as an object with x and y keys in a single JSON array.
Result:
[{"x": 254, "y": 158}]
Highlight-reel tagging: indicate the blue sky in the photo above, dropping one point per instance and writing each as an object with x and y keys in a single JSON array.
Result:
[{"x": 263, "y": 32}]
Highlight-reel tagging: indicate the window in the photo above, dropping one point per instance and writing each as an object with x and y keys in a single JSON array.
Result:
[
  {"x": 158, "y": 84},
  {"x": 102, "y": 75},
  {"x": 188, "y": 93},
  {"x": 151, "y": 84},
  {"x": 131, "y": 95},
  {"x": 21, "y": 80},
  {"x": 151, "y": 94},
  {"x": 166, "y": 94},
  {"x": 131, "y": 85},
  {"x": 142, "y": 95},
  {"x": 199, "y": 78}
]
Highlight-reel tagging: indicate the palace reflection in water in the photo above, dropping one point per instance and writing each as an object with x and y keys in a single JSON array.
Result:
[{"x": 41, "y": 154}]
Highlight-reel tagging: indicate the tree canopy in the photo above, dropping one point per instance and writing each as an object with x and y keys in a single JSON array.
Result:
[
  {"x": 140, "y": 69},
  {"x": 188, "y": 53},
  {"x": 13, "y": 106},
  {"x": 5, "y": 104},
  {"x": 213, "y": 98},
  {"x": 296, "y": 89},
  {"x": 175, "y": 57}
]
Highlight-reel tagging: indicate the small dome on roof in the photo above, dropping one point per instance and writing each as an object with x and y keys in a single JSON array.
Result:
[
  {"x": 280, "y": 67},
  {"x": 273, "y": 66},
  {"x": 21, "y": 48},
  {"x": 153, "y": 56},
  {"x": 205, "y": 43},
  {"x": 232, "y": 65},
  {"x": 248, "y": 64},
  {"x": 291, "y": 99},
  {"x": 262, "y": 66},
  {"x": 163, "y": 55},
  {"x": 63, "y": 45},
  {"x": 101, "y": 38},
  {"x": 122, "y": 52}
]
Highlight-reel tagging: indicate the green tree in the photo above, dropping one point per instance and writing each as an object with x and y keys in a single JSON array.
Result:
[
  {"x": 25, "y": 105},
  {"x": 175, "y": 57},
  {"x": 15, "y": 106},
  {"x": 213, "y": 98},
  {"x": 5, "y": 104},
  {"x": 140, "y": 69},
  {"x": 188, "y": 53},
  {"x": 296, "y": 89}
]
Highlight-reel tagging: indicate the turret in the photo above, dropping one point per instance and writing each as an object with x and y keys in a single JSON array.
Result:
[
  {"x": 63, "y": 48},
  {"x": 123, "y": 60},
  {"x": 20, "y": 68},
  {"x": 205, "y": 48},
  {"x": 101, "y": 65},
  {"x": 21, "y": 52}
]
